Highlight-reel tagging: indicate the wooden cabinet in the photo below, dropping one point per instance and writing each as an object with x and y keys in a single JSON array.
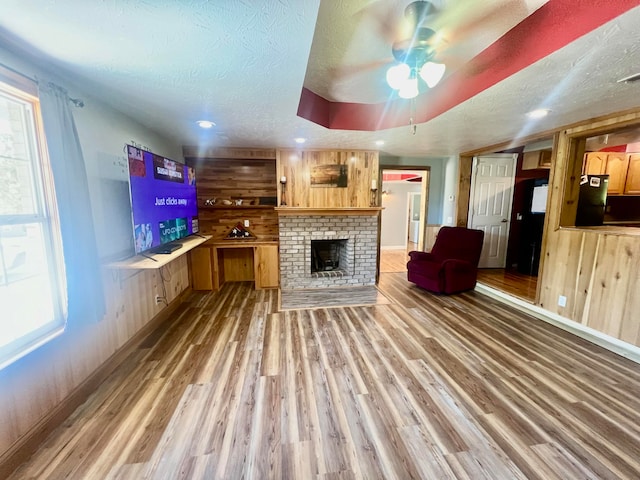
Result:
[
  {"x": 617, "y": 164},
  {"x": 632, "y": 185},
  {"x": 215, "y": 263},
  {"x": 536, "y": 159},
  {"x": 623, "y": 170},
  {"x": 267, "y": 266},
  {"x": 202, "y": 269},
  {"x": 594, "y": 163}
]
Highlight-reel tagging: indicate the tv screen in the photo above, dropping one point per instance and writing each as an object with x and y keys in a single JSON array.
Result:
[{"x": 163, "y": 201}]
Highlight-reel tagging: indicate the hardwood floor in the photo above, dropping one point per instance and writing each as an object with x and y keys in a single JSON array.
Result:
[
  {"x": 510, "y": 282},
  {"x": 428, "y": 386},
  {"x": 395, "y": 260}
]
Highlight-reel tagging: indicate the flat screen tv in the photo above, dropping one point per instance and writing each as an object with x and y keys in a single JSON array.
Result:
[{"x": 163, "y": 201}]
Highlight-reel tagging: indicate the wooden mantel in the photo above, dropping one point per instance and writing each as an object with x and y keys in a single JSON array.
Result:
[{"x": 346, "y": 211}]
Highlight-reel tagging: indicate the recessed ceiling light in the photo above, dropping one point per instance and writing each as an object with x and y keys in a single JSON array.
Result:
[
  {"x": 539, "y": 113},
  {"x": 205, "y": 124},
  {"x": 379, "y": 142},
  {"x": 300, "y": 140}
]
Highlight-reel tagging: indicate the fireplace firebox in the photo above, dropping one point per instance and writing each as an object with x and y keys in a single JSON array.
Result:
[{"x": 326, "y": 255}]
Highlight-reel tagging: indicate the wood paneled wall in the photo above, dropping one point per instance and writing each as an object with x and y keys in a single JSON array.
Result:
[
  {"x": 233, "y": 174},
  {"x": 597, "y": 269},
  {"x": 296, "y": 165},
  {"x": 33, "y": 388},
  {"x": 464, "y": 190}
]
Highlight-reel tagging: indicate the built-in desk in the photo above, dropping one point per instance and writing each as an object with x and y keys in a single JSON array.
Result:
[
  {"x": 218, "y": 261},
  {"x": 151, "y": 261}
]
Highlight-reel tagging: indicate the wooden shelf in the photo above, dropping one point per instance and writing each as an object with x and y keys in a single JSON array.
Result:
[
  {"x": 347, "y": 211},
  {"x": 159, "y": 260},
  {"x": 234, "y": 207}
]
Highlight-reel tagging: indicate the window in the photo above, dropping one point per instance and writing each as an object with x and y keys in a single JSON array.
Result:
[{"x": 31, "y": 269}]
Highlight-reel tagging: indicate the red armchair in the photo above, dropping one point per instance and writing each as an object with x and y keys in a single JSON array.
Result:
[{"x": 452, "y": 265}]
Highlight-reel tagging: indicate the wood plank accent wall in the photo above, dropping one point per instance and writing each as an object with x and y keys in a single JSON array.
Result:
[
  {"x": 464, "y": 191},
  {"x": 296, "y": 165},
  {"x": 34, "y": 387},
  {"x": 596, "y": 269},
  {"x": 232, "y": 174}
]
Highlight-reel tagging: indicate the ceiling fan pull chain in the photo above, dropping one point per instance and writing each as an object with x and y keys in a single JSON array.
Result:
[{"x": 412, "y": 125}]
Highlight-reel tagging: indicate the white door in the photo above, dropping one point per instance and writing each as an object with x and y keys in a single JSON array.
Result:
[{"x": 492, "y": 181}]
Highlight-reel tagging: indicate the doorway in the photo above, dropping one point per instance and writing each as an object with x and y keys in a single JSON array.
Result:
[
  {"x": 404, "y": 199},
  {"x": 519, "y": 275},
  {"x": 492, "y": 184}
]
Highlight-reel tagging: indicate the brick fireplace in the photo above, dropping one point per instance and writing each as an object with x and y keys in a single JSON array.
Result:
[{"x": 304, "y": 242}]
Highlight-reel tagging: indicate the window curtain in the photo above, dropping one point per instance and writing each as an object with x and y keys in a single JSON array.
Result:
[{"x": 85, "y": 294}]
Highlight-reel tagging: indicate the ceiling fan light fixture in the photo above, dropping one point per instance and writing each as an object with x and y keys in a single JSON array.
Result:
[
  {"x": 397, "y": 75},
  {"x": 409, "y": 89},
  {"x": 432, "y": 73}
]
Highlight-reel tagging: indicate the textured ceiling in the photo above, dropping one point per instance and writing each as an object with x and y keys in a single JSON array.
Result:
[{"x": 245, "y": 64}]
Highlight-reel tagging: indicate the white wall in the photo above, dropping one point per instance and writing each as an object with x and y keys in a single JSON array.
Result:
[
  {"x": 394, "y": 213},
  {"x": 32, "y": 387},
  {"x": 450, "y": 190},
  {"x": 103, "y": 134}
]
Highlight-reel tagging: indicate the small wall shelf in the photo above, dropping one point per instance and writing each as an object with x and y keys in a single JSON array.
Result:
[{"x": 140, "y": 262}]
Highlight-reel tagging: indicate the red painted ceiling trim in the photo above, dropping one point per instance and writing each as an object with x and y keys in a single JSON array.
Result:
[
  {"x": 553, "y": 26},
  {"x": 388, "y": 177}
]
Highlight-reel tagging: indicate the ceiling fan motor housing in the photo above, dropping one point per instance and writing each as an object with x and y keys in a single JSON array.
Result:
[
  {"x": 416, "y": 12},
  {"x": 416, "y": 50}
]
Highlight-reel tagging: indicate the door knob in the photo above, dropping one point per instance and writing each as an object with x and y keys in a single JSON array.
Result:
[{"x": 504, "y": 220}]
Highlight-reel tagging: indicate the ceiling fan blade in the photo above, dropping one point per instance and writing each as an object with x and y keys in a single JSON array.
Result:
[
  {"x": 387, "y": 18},
  {"x": 468, "y": 20},
  {"x": 345, "y": 71}
]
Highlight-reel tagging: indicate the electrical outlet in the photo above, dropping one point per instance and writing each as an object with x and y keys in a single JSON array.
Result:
[
  {"x": 246, "y": 223},
  {"x": 158, "y": 299},
  {"x": 562, "y": 301}
]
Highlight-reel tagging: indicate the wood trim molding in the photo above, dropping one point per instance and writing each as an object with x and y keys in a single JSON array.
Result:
[
  {"x": 303, "y": 211},
  {"x": 29, "y": 443}
]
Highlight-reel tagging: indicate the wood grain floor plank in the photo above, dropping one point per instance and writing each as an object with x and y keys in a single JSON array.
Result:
[{"x": 422, "y": 386}]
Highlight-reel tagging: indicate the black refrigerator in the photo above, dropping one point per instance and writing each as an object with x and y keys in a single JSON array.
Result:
[
  {"x": 532, "y": 225},
  {"x": 592, "y": 200}
]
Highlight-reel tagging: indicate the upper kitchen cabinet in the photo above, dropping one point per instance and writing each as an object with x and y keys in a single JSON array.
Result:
[
  {"x": 595, "y": 163},
  {"x": 632, "y": 185},
  {"x": 616, "y": 165}
]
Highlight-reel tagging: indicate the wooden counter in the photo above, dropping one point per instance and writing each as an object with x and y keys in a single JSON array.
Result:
[{"x": 609, "y": 230}]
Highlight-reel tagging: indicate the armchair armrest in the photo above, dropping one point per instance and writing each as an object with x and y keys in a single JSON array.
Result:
[
  {"x": 421, "y": 256},
  {"x": 453, "y": 264}
]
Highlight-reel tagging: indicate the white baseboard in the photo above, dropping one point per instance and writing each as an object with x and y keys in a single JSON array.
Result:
[
  {"x": 393, "y": 247},
  {"x": 612, "y": 344}
]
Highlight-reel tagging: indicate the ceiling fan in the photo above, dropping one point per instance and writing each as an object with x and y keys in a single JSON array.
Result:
[
  {"x": 434, "y": 36},
  {"x": 415, "y": 55}
]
